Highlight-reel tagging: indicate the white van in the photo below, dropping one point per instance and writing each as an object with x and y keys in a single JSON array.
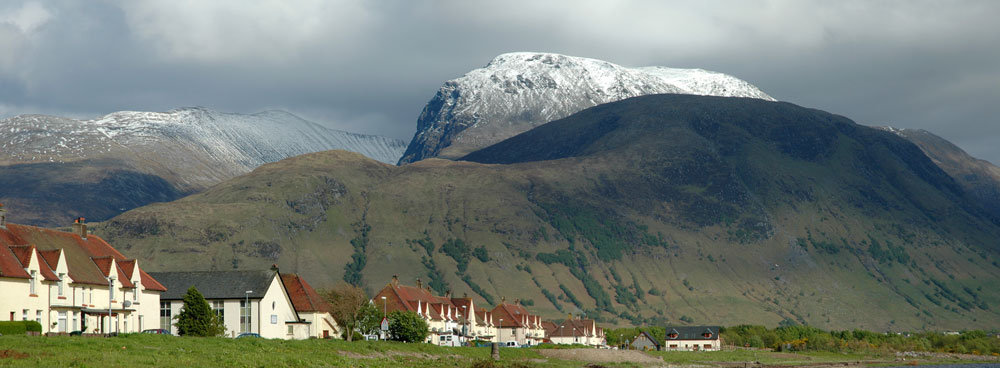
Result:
[
  {"x": 510, "y": 344},
  {"x": 449, "y": 340}
]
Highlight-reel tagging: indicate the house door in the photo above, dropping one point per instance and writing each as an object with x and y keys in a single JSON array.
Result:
[
  {"x": 326, "y": 334},
  {"x": 62, "y": 321}
]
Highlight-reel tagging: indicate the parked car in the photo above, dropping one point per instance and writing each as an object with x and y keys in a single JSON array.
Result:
[
  {"x": 156, "y": 331},
  {"x": 248, "y": 335},
  {"x": 509, "y": 344}
]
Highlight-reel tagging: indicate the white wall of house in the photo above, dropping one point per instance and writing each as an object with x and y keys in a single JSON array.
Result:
[
  {"x": 321, "y": 325},
  {"x": 61, "y": 312},
  {"x": 691, "y": 345},
  {"x": 276, "y": 309}
]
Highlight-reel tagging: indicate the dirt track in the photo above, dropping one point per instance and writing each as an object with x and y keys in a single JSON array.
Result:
[{"x": 600, "y": 355}]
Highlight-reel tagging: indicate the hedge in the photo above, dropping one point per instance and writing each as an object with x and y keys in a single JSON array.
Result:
[{"x": 19, "y": 327}]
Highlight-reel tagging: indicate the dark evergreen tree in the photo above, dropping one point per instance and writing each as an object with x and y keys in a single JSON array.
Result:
[{"x": 197, "y": 318}]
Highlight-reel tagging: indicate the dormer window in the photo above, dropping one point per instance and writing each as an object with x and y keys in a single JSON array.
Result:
[
  {"x": 135, "y": 293},
  {"x": 62, "y": 277},
  {"x": 707, "y": 335}
]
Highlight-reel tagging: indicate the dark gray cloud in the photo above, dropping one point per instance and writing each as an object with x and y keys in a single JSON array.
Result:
[{"x": 369, "y": 66}]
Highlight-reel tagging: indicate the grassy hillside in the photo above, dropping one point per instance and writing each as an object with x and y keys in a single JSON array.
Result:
[{"x": 670, "y": 208}]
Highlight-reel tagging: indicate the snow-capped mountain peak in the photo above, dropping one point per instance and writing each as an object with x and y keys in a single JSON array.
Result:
[{"x": 518, "y": 91}]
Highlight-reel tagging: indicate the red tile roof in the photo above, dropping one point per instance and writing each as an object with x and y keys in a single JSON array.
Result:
[
  {"x": 76, "y": 250},
  {"x": 10, "y": 266},
  {"x": 513, "y": 315},
  {"x": 304, "y": 297}
]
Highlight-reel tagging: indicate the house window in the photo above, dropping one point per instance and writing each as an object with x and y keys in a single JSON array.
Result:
[
  {"x": 218, "y": 307},
  {"x": 33, "y": 283},
  {"x": 708, "y": 346},
  {"x": 135, "y": 293},
  {"x": 62, "y": 321},
  {"x": 76, "y": 316},
  {"x": 24, "y": 315},
  {"x": 244, "y": 317},
  {"x": 165, "y": 315},
  {"x": 290, "y": 331},
  {"x": 62, "y": 276},
  {"x": 38, "y": 316}
]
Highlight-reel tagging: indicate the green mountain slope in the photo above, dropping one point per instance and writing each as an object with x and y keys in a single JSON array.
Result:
[
  {"x": 979, "y": 178},
  {"x": 685, "y": 209}
]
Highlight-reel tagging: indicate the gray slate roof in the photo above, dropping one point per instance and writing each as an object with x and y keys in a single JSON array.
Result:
[
  {"x": 692, "y": 332},
  {"x": 215, "y": 284}
]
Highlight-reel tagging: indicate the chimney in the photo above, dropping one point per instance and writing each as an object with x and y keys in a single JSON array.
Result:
[
  {"x": 274, "y": 268},
  {"x": 395, "y": 280},
  {"x": 503, "y": 299},
  {"x": 80, "y": 227},
  {"x": 3, "y": 217},
  {"x": 447, "y": 294},
  {"x": 465, "y": 295},
  {"x": 517, "y": 301},
  {"x": 419, "y": 286}
]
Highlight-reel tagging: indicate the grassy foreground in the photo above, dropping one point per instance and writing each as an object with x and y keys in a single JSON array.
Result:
[{"x": 169, "y": 351}]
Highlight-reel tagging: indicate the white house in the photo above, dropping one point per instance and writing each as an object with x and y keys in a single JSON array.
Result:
[
  {"x": 577, "y": 331},
  {"x": 692, "y": 338},
  {"x": 269, "y": 313},
  {"x": 62, "y": 281},
  {"x": 311, "y": 307}
]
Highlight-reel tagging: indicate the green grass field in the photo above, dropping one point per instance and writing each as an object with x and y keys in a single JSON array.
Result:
[{"x": 170, "y": 351}]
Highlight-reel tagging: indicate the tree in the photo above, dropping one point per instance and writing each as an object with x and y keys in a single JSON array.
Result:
[
  {"x": 197, "y": 318},
  {"x": 347, "y": 303},
  {"x": 407, "y": 327},
  {"x": 369, "y": 319}
]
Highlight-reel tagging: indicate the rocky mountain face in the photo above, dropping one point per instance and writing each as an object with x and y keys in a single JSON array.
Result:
[
  {"x": 53, "y": 169},
  {"x": 650, "y": 210},
  {"x": 519, "y": 91},
  {"x": 979, "y": 178}
]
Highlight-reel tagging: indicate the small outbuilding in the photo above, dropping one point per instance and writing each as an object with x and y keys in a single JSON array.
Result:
[{"x": 645, "y": 341}]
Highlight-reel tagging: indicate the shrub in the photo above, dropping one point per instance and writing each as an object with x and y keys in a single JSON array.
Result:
[
  {"x": 407, "y": 327},
  {"x": 19, "y": 327}
]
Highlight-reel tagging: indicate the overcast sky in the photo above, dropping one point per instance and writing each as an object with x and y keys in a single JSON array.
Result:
[{"x": 370, "y": 66}]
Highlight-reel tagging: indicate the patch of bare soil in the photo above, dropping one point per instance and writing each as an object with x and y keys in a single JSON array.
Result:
[
  {"x": 11, "y": 354},
  {"x": 600, "y": 355}
]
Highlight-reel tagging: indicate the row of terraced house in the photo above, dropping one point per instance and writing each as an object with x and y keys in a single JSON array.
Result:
[
  {"x": 74, "y": 281},
  {"x": 454, "y": 320}
]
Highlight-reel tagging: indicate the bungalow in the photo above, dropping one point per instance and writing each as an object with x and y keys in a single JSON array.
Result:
[
  {"x": 68, "y": 281},
  {"x": 645, "y": 341},
  {"x": 270, "y": 312},
  {"x": 692, "y": 338}
]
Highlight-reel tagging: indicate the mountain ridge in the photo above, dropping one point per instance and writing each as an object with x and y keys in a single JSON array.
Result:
[
  {"x": 133, "y": 157},
  {"x": 690, "y": 209}
]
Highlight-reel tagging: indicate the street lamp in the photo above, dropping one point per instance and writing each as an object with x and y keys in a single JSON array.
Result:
[
  {"x": 111, "y": 294},
  {"x": 384, "y": 316},
  {"x": 500, "y": 331},
  {"x": 465, "y": 322},
  {"x": 574, "y": 335},
  {"x": 247, "y": 307},
  {"x": 620, "y": 339},
  {"x": 561, "y": 330}
]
